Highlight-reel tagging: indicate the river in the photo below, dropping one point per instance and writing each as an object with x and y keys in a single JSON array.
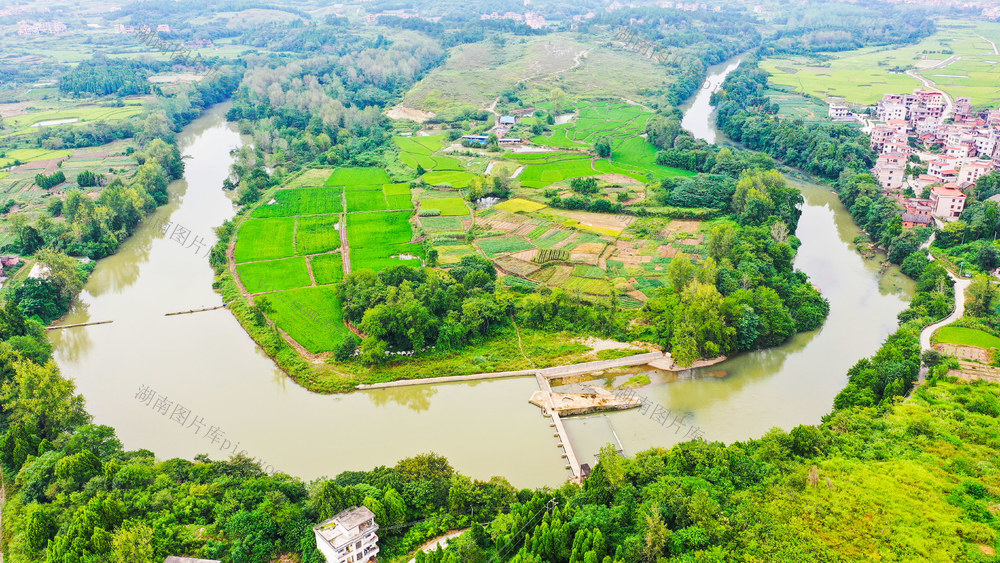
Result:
[
  {"x": 699, "y": 113},
  {"x": 205, "y": 363}
]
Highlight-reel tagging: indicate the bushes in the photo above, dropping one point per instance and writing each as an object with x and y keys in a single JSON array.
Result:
[{"x": 46, "y": 182}]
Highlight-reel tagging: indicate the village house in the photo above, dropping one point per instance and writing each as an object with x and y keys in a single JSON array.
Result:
[
  {"x": 890, "y": 170},
  {"x": 839, "y": 112},
  {"x": 970, "y": 172},
  {"x": 948, "y": 201},
  {"x": 348, "y": 537}
]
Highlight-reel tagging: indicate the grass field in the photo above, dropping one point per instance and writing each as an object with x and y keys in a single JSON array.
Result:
[
  {"x": 273, "y": 275},
  {"x": 264, "y": 239},
  {"x": 314, "y": 235},
  {"x": 327, "y": 268},
  {"x": 291, "y": 202},
  {"x": 966, "y": 337},
  {"x": 312, "y": 178},
  {"x": 357, "y": 176},
  {"x": 449, "y": 206},
  {"x": 442, "y": 223},
  {"x": 313, "y": 316}
]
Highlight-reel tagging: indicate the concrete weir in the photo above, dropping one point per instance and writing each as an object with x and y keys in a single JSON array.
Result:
[{"x": 555, "y": 404}]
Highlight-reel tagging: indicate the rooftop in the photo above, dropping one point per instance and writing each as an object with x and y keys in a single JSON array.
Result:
[
  {"x": 947, "y": 190},
  {"x": 340, "y": 529}
]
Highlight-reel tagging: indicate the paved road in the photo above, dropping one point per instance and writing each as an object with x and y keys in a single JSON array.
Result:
[{"x": 960, "y": 286}]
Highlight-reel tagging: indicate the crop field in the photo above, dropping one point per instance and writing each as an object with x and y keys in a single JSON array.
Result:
[
  {"x": 500, "y": 245},
  {"x": 327, "y": 268},
  {"x": 265, "y": 239},
  {"x": 620, "y": 122},
  {"x": 386, "y": 256},
  {"x": 273, "y": 275},
  {"x": 453, "y": 224},
  {"x": 955, "y": 58},
  {"x": 456, "y": 179},
  {"x": 449, "y": 206},
  {"x": 352, "y": 177},
  {"x": 367, "y": 230},
  {"x": 290, "y": 202},
  {"x": 398, "y": 202},
  {"x": 797, "y": 106},
  {"x": 314, "y": 235},
  {"x": 518, "y": 204},
  {"x": 313, "y": 316},
  {"x": 366, "y": 200},
  {"x": 31, "y": 155},
  {"x": 69, "y": 116}
]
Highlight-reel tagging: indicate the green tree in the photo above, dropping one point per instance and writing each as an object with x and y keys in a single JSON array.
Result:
[
  {"x": 133, "y": 543},
  {"x": 39, "y": 397}
]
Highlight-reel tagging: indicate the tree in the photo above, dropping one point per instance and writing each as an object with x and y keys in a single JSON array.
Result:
[
  {"x": 133, "y": 543},
  {"x": 64, "y": 272},
  {"x": 86, "y": 179},
  {"x": 980, "y": 298},
  {"x": 603, "y": 148},
  {"x": 39, "y": 397}
]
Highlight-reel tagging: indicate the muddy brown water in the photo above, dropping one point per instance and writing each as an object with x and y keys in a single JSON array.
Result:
[{"x": 190, "y": 384}]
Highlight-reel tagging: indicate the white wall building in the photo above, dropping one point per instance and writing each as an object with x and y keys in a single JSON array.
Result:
[{"x": 348, "y": 537}]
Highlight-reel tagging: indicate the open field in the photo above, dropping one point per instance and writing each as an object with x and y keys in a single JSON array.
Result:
[
  {"x": 966, "y": 337},
  {"x": 30, "y": 122},
  {"x": 327, "y": 268},
  {"x": 448, "y": 206},
  {"x": 290, "y": 202},
  {"x": 312, "y": 178},
  {"x": 476, "y": 73},
  {"x": 274, "y": 274},
  {"x": 313, "y": 316},
  {"x": 353, "y": 177},
  {"x": 366, "y": 200},
  {"x": 314, "y": 235},
  {"x": 378, "y": 229},
  {"x": 968, "y": 67},
  {"x": 264, "y": 239}
]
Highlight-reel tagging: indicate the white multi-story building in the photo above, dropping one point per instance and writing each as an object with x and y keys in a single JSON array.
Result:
[
  {"x": 348, "y": 537},
  {"x": 948, "y": 201}
]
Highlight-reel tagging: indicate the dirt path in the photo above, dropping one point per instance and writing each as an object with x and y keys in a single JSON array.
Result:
[
  {"x": 992, "y": 44},
  {"x": 519, "y": 343},
  {"x": 345, "y": 247}
]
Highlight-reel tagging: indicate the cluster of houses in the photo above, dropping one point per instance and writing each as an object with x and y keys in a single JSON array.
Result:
[
  {"x": 533, "y": 20},
  {"x": 503, "y": 126},
  {"x": 132, "y": 29},
  {"x": 28, "y": 28},
  {"x": 918, "y": 128}
]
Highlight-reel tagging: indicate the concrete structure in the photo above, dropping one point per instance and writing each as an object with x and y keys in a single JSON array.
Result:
[
  {"x": 507, "y": 120},
  {"x": 948, "y": 201},
  {"x": 840, "y": 112},
  {"x": 348, "y": 537},
  {"x": 970, "y": 172},
  {"x": 890, "y": 170}
]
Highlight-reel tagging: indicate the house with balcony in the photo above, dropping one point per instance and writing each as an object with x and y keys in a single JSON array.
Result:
[
  {"x": 348, "y": 537},
  {"x": 948, "y": 201}
]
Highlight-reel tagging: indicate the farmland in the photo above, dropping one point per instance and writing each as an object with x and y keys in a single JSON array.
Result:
[
  {"x": 956, "y": 58},
  {"x": 289, "y": 247}
]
